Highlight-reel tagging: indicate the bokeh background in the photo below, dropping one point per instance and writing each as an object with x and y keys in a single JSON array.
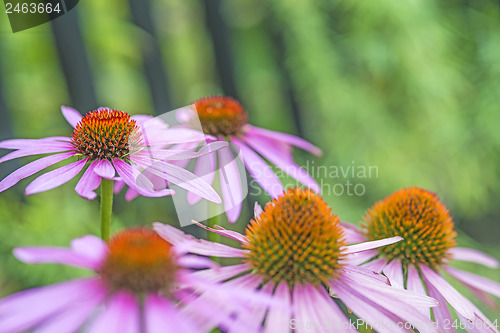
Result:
[{"x": 411, "y": 88}]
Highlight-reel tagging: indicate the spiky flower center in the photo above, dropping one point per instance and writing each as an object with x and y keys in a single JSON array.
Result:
[
  {"x": 420, "y": 218},
  {"x": 220, "y": 116},
  {"x": 139, "y": 261},
  {"x": 296, "y": 239},
  {"x": 106, "y": 134}
]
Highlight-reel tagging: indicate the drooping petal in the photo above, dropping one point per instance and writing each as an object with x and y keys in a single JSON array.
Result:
[
  {"x": 461, "y": 304},
  {"x": 188, "y": 243},
  {"x": 31, "y": 168},
  {"x": 140, "y": 183},
  {"x": 442, "y": 315},
  {"x": 44, "y": 148},
  {"x": 193, "y": 261},
  {"x": 230, "y": 183},
  {"x": 475, "y": 281},
  {"x": 286, "y": 138},
  {"x": 21, "y": 311},
  {"x": 259, "y": 170},
  {"x": 278, "y": 317},
  {"x": 162, "y": 317},
  {"x": 222, "y": 273},
  {"x": 55, "y": 178},
  {"x": 472, "y": 255},
  {"x": 358, "y": 258},
  {"x": 282, "y": 158},
  {"x": 394, "y": 271},
  {"x": 371, "y": 245},
  {"x": 414, "y": 284},
  {"x": 88, "y": 183},
  {"x": 121, "y": 314},
  {"x": 75, "y": 315},
  {"x": 104, "y": 169},
  {"x": 365, "y": 309},
  {"x": 205, "y": 169},
  {"x": 72, "y": 116},
  {"x": 221, "y": 231},
  {"x": 181, "y": 178}
]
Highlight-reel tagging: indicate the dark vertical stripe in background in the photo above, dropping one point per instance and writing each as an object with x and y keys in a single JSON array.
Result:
[
  {"x": 154, "y": 69},
  {"x": 74, "y": 61}
]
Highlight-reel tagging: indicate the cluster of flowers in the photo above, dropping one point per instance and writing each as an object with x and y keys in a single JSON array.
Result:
[{"x": 297, "y": 265}]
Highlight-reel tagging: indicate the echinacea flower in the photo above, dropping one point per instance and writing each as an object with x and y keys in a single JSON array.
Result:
[
  {"x": 428, "y": 247},
  {"x": 108, "y": 142},
  {"x": 226, "y": 120},
  {"x": 141, "y": 284},
  {"x": 295, "y": 251}
]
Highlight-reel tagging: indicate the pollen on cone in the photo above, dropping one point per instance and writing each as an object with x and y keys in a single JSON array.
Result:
[
  {"x": 420, "y": 218},
  {"x": 296, "y": 239}
]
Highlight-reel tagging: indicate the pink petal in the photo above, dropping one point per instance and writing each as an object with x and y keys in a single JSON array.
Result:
[
  {"x": 475, "y": 281},
  {"x": 21, "y": 311},
  {"x": 88, "y": 183},
  {"x": 414, "y": 284},
  {"x": 72, "y": 116},
  {"x": 257, "y": 210},
  {"x": 402, "y": 305},
  {"x": 376, "y": 265},
  {"x": 58, "y": 255},
  {"x": 31, "y": 168},
  {"x": 55, "y": 178},
  {"x": 198, "y": 246},
  {"x": 162, "y": 317},
  {"x": 230, "y": 183},
  {"x": 205, "y": 169},
  {"x": 219, "y": 274},
  {"x": 30, "y": 143},
  {"x": 177, "y": 135},
  {"x": 369, "y": 276},
  {"x": 104, "y": 169},
  {"x": 360, "y": 257},
  {"x": 221, "y": 231},
  {"x": 126, "y": 173},
  {"x": 282, "y": 158},
  {"x": 121, "y": 314},
  {"x": 442, "y": 315},
  {"x": 456, "y": 300},
  {"x": 394, "y": 271},
  {"x": 45, "y": 148},
  {"x": 284, "y": 137},
  {"x": 371, "y": 245},
  {"x": 75, "y": 316},
  {"x": 91, "y": 247},
  {"x": 181, "y": 178},
  {"x": 278, "y": 318},
  {"x": 195, "y": 262},
  {"x": 352, "y": 233},
  {"x": 260, "y": 170},
  {"x": 365, "y": 309},
  {"x": 472, "y": 255}
]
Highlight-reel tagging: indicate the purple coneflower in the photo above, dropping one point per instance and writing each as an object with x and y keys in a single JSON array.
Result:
[
  {"x": 226, "y": 120},
  {"x": 109, "y": 142},
  {"x": 141, "y": 285},
  {"x": 295, "y": 251},
  {"x": 428, "y": 247}
]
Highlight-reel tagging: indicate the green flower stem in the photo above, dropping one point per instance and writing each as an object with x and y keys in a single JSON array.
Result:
[{"x": 106, "y": 207}]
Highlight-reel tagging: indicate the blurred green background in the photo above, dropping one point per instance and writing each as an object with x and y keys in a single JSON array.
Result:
[{"x": 410, "y": 88}]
